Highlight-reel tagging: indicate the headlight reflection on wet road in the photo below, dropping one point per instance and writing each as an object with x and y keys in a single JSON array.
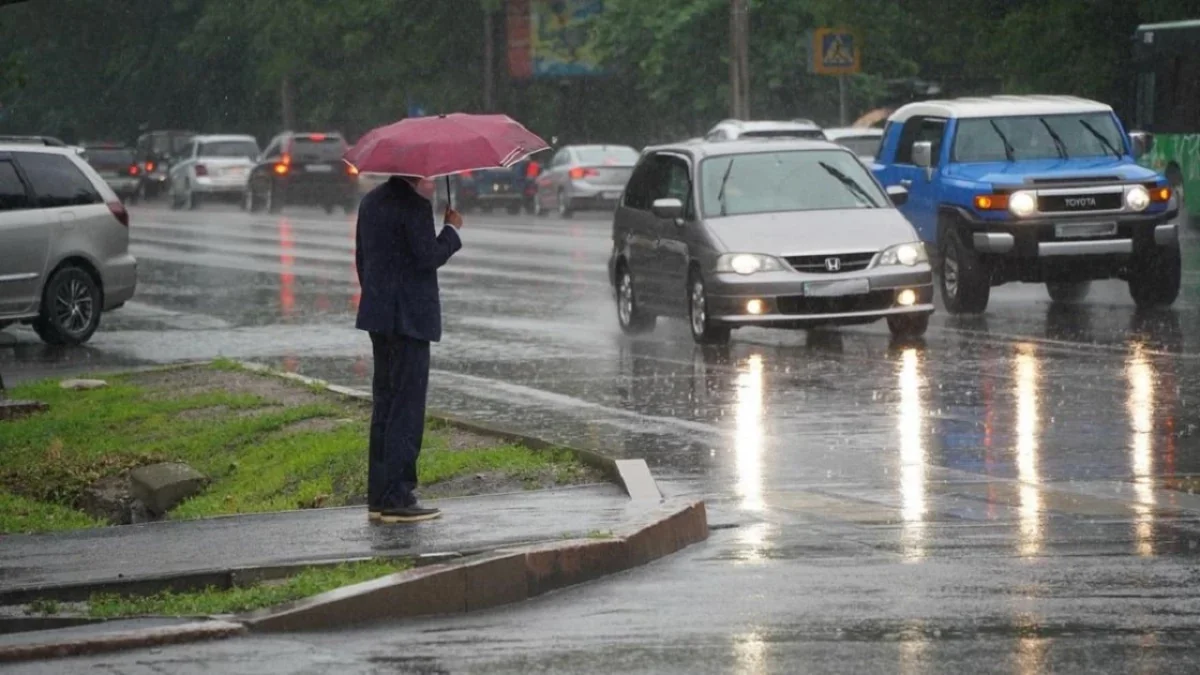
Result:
[
  {"x": 1028, "y": 427},
  {"x": 1140, "y": 404},
  {"x": 913, "y": 469},
  {"x": 748, "y": 435}
]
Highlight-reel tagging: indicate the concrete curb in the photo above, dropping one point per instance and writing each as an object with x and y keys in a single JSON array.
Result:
[
  {"x": 127, "y": 639},
  {"x": 499, "y": 578},
  {"x": 632, "y": 475}
]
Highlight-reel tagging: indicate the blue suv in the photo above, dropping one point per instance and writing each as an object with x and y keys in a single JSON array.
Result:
[{"x": 1041, "y": 189}]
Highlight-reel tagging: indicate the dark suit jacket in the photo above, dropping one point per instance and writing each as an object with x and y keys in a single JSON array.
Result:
[{"x": 397, "y": 256}]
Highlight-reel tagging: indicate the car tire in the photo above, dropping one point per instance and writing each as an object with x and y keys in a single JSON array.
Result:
[
  {"x": 564, "y": 205},
  {"x": 513, "y": 209},
  {"x": 1067, "y": 292},
  {"x": 274, "y": 199},
  {"x": 631, "y": 317},
  {"x": 964, "y": 280},
  {"x": 529, "y": 206},
  {"x": 908, "y": 326},
  {"x": 1154, "y": 279},
  {"x": 71, "y": 306},
  {"x": 704, "y": 331}
]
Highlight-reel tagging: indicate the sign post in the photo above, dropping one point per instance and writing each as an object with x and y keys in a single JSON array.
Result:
[{"x": 836, "y": 51}]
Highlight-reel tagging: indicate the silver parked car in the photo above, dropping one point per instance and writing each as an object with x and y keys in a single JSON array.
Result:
[
  {"x": 584, "y": 177},
  {"x": 733, "y": 130},
  {"x": 788, "y": 234},
  {"x": 862, "y": 142},
  {"x": 64, "y": 244},
  {"x": 212, "y": 166}
]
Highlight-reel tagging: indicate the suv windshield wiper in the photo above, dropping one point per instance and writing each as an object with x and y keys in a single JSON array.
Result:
[
  {"x": 1058, "y": 141},
  {"x": 1008, "y": 148},
  {"x": 1101, "y": 137},
  {"x": 851, "y": 184},
  {"x": 721, "y": 192}
]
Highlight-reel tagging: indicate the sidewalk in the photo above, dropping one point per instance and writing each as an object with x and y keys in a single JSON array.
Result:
[{"x": 468, "y": 525}]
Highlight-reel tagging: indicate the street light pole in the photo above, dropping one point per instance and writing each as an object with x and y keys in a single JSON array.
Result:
[{"x": 739, "y": 59}]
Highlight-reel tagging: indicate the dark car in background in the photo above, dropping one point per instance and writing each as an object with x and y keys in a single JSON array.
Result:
[
  {"x": 511, "y": 189},
  {"x": 303, "y": 168},
  {"x": 156, "y": 151},
  {"x": 584, "y": 177},
  {"x": 118, "y": 167}
]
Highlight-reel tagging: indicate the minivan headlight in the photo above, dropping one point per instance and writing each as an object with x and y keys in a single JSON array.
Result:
[
  {"x": 748, "y": 263},
  {"x": 904, "y": 254}
]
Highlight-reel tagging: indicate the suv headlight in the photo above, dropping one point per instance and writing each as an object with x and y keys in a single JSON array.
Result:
[
  {"x": 1137, "y": 198},
  {"x": 1022, "y": 204},
  {"x": 748, "y": 263},
  {"x": 904, "y": 254}
]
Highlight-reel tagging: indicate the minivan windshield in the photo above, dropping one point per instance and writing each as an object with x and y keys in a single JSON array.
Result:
[
  {"x": 229, "y": 149},
  {"x": 1000, "y": 139},
  {"x": 792, "y": 180}
]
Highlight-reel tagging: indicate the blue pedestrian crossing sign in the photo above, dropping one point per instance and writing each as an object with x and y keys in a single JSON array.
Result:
[{"x": 836, "y": 51}]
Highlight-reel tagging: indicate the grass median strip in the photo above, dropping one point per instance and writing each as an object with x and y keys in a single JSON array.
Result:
[
  {"x": 263, "y": 442},
  {"x": 210, "y": 601}
]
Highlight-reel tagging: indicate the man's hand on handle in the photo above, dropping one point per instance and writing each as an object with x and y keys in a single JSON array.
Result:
[{"x": 454, "y": 218}]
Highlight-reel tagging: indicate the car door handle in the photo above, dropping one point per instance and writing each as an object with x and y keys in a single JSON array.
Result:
[{"x": 907, "y": 182}]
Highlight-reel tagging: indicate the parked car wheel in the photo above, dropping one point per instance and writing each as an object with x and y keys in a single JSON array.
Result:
[
  {"x": 274, "y": 199},
  {"x": 964, "y": 280},
  {"x": 251, "y": 202},
  {"x": 1068, "y": 292},
  {"x": 564, "y": 205},
  {"x": 703, "y": 329},
  {"x": 630, "y": 316},
  {"x": 71, "y": 306},
  {"x": 1154, "y": 279},
  {"x": 908, "y": 326}
]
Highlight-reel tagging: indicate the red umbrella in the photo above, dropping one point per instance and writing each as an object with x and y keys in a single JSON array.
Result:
[{"x": 429, "y": 147}]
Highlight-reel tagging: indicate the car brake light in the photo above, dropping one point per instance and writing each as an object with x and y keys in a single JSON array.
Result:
[
  {"x": 316, "y": 138},
  {"x": 351, "y": 169},
  {"x": 149, "y": 166},
  {"x": 532, "y": 170},
  {"x": 133, "y": 169},
  {"x": 118, "y": 211},
  {"x": 281, "y": 168},
  {"x": 580, "y": 172},
  {"x": 201, "y": 170},
  {"x": 1159, "y": 194},
  {"x": 991, "y": 202}
]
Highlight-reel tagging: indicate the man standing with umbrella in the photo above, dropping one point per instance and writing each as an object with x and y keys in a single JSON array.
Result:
[{"x": 397, "y": 258}]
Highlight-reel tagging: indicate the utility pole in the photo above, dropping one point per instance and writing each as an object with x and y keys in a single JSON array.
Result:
[
  {"x": 739, "y": 59},
  {"x": 489, "y": 61}
]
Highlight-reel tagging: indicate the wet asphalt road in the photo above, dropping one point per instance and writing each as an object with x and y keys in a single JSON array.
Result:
[{"x": 1013, "y": 495}]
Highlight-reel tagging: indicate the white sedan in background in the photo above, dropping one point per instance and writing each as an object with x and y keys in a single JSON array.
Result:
[{"x": 212, "y": 166}]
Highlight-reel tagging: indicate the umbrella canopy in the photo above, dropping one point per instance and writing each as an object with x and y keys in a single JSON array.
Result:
[{"x": 428, "y": 147}]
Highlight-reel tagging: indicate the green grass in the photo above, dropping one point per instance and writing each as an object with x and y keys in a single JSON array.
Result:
[
  {"x": 241, "y": 442},
  {"x": 210, "y": 601}
]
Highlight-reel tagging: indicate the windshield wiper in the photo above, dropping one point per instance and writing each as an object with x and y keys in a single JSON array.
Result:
[
  {"x": 724, "y": 180},
  {"x": 1058, "y": 141},
  {"x": 1008, "y": 148},
  {"x": 1101, "y": 137},
  {"x": 851, "y": 184}
]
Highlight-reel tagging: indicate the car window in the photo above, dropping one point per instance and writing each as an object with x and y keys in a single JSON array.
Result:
[
  {"x": 56, "y": 181},
  {"x": 637, "y": 195},
  {"x": 12, "y": 191},
  {"x": 919, "y": 129},
  {"x": 317, "y": 149},
  {"x": 867, "y": 146},
  {"x": 792, "y": 180},
  {"x": 562, "y": 158},
  {"x": 669, "y": 179},
  {"x": 110, "y": 158},
  {"x": 612, "y": 156},
  {"x": 1037, "y": 137},
  {"x": 274, "y": 149},
  {"x": 229, "y": 149}
]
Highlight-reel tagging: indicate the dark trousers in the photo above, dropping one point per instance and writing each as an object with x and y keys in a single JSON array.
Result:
[{"x": 397, "y": 419}]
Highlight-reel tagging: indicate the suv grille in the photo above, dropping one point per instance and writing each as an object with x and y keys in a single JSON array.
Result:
[
  {"x": 846, "y": 262},
  {"x": 1110, "y": 201},
  {"x": 803, "y": 305}
]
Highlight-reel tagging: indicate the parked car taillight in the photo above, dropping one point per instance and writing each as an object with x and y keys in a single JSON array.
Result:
[
  {"x": 149, "y": 166},
  {"x": 134, "y": 170},
  {"x": 201, "y": 170},
  {"x": 118, "y": 211},
  {"x": 579, "y": 173},
  {"x": 351, "y": 170}
]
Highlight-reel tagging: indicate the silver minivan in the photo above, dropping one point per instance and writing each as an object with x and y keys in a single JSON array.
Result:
[
  {"x": 64, "y": 244},
  {"x": 789, "y": 234}
]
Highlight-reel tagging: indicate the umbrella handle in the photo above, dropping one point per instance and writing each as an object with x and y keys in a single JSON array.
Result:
[{"x": 449, "y": 198}]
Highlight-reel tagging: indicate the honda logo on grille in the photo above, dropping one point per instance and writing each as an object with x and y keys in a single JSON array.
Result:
[
  {"x": 1080, "y": 202},
  {"x": 833, "y": 264}
]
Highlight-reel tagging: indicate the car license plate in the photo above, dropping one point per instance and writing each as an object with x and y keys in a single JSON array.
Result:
[
  {"x": 1081, "y": 230},
  {"x": 612, "y": 196},
  {"x": 826, "y": 289},
  {"x": 499, "y": 187},
  {"x": 235, "y": 171},
  {"x": 318, "y": 168}
]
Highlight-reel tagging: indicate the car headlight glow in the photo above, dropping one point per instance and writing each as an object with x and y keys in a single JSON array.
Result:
[
  {"x": 1022, "y": 204},
  {"x": 747, "y": 263},
  {"x": 904, "y": 254},
  {"x": 1137, "y": 198}
]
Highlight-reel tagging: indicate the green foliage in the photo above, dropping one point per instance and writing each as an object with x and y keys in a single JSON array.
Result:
[{"x": 210, "y": 601}]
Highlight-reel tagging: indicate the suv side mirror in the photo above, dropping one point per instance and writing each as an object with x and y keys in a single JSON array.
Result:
[
  {"x": 1143, "y": 143},
  {"x": 922, "y": 154},
  {"x": 898, "y": 194},
  {"x": 667, "y": 208}
]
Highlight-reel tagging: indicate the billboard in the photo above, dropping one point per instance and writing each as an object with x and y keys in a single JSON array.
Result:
[{"x": 553, "y": 38}]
